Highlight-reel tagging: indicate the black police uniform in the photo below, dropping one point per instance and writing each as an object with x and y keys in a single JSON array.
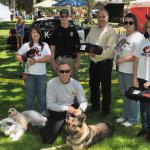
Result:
[{"x": 66, "y": 42}]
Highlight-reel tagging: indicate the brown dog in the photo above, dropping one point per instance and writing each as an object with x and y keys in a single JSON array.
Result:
[{"x": 80, "y": 135}]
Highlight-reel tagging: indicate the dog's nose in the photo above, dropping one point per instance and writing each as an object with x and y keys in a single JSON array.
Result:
[
  {"x": 67, "y": 133},
  {"x": 9, "y": 112}
]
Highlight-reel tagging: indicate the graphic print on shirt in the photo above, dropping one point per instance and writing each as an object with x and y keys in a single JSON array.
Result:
[
  {"x": 146, "y": 51},
  {"x": 123, "y": 47}
]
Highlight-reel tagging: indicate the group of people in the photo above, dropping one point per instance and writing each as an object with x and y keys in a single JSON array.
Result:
[{"x": 64, "y": 94}]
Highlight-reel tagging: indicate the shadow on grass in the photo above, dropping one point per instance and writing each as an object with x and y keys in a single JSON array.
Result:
[{"x": 7, "y": 25}]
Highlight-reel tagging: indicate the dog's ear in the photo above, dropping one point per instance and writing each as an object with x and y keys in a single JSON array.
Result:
[
  {"x": 9, "y": 123},
  {"x": 82, "y": 117}
]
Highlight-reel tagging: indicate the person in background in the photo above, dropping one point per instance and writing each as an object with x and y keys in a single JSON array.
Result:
[
  {"x": 65, "y": 44},
  {"x": 101, "y": 65},
  {"x": 127, "y": 44},
  {"x": 61, "y": 94},
  {"x": 35, "y": 82},
  {"x": 141, "y": 76},
  {"x": 19, "y": 26},
  {"x": 145, "y": 26}
]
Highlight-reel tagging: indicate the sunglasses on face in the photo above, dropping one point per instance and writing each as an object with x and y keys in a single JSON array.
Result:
[
  {"x": 63, "y": 16},
  {"x": 128, "y": 22},
  {"x": 64, "y": 71}
]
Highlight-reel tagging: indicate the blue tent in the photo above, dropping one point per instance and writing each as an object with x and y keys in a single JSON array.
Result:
[{"x": 75, "y": 3}]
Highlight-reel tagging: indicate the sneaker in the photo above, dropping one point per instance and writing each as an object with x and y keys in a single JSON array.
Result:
[
  {"x": 127, "y": 124},
  {"x": 120, "y": 120}
]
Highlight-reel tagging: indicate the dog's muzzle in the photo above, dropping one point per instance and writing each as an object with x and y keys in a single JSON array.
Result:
[{"x": 9, "y": 112}]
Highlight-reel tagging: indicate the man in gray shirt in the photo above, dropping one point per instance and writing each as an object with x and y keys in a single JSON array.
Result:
[{"x": 64, "y": 95}]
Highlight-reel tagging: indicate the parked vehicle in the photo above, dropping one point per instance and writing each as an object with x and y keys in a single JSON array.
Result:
[{"x": 46, "y": 26}]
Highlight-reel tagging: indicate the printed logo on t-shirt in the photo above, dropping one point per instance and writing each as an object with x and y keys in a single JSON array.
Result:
[
  {"x": 122, "y": 44},
  {"x": 146, "y": 51},
  {"x": 71, "y": 34}
]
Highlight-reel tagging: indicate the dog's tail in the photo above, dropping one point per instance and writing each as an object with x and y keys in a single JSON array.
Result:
[
  {"x": 110, "y": 128},
  {"x": 104, "y": 130}
]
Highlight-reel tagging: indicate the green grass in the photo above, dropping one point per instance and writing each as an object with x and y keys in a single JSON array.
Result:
[{"x": 12, "y": 94}]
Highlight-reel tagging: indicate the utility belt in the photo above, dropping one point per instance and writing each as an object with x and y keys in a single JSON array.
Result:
[
  {"x": 102, "y": 62},
  {"x": 66, "y": 56}
]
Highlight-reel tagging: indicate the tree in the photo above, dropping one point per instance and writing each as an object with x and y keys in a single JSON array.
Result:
[{"x": 26, "y": 5}]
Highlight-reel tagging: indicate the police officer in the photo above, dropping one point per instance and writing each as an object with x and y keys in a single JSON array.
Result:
[{"x": 65, "y": 44}]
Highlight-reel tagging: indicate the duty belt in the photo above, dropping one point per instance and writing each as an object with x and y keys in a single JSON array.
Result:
[{"x": 66, "y": 56}]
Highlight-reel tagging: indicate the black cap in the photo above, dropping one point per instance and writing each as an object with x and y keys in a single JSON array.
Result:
[{"x": 64, "y": 11}]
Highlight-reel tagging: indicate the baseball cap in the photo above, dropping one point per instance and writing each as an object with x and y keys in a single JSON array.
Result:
[{"x": 64, "y": 11}]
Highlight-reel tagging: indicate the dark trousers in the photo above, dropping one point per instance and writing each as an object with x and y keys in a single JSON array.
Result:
[
  {"x": 100, "y": 74},
  {"x": 54, "y": 125},
  {"x": 144, "y": 109}
]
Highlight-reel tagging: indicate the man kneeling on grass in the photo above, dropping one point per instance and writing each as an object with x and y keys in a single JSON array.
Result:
[{"x": 64, "y": 95}]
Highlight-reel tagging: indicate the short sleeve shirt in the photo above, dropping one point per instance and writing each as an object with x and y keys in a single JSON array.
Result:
[{"x": 66, "y": 41}]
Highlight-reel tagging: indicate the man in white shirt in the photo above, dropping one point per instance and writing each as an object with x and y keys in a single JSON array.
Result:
[{"x": 64, "y": 95}]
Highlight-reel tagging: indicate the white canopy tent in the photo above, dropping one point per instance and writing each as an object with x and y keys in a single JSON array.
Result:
[
  {"x": 45, "y": 4},
  {"x": 4, "y": 13}
]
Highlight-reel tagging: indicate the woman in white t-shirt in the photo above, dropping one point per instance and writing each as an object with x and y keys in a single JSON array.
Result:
[
  {"x": 141, "y": 78},
  {"x": 35, "y": 68},
  {"x": 127, "y": 43}
]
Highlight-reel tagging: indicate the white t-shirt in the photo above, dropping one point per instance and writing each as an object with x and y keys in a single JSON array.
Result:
[
  {"x": 37, "y": 68},
  {"x": 126, "y": 46},
  {"x": 143, "y": 53}
]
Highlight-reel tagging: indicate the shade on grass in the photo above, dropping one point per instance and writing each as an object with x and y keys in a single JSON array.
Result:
[{"x": 12, "y": 94}]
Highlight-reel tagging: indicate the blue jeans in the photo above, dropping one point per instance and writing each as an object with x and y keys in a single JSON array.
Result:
[
  {"x": 131, "y": 107},
  {"x": 36, "y": 86}
]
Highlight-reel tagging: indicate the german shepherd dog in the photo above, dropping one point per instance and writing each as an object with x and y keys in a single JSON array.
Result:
[{"x": 80, "y": 136}]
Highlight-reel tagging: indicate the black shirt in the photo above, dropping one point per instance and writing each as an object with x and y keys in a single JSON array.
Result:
[{"x": 66, "y": 40}]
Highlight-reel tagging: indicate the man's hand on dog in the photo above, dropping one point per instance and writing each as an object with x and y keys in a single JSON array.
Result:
[{"x": 74, "y": 111}]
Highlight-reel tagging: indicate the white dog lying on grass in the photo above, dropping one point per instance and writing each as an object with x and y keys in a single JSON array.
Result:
[
  {"x": 29, "y": 116},
  {"x": 35, "y": 118},
  {"x": 17, "y": 123},
  {"x": 11, "y": 128}
]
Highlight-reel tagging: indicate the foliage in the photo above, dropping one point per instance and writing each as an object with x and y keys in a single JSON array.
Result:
[{"x": 26, "y": 5}]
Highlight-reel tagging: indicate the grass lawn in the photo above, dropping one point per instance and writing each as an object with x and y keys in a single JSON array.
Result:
[{"x": 12, "y": 94}]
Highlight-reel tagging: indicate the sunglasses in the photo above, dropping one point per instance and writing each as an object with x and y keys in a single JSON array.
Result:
[
  {"x": 130, "y": 22},
  {"x": 63, "y": 16},
  {"x": 64, "y": 71}
]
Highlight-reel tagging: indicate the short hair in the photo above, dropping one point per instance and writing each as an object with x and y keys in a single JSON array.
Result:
[
  {"x": 105, "y": 10},
  {"x": 133, "y": 16},
  {"x": 63, "y": 63}
]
